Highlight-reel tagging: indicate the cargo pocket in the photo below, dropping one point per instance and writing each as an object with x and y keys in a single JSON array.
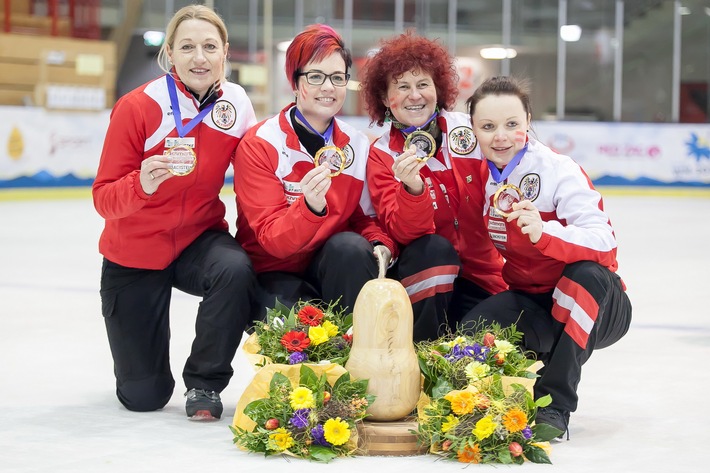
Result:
[{"x": 108, "y": 302}]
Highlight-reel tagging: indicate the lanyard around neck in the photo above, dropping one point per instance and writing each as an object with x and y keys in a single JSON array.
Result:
[
  {"x": 183, "y": 130},
  {"x": 414, "y": 128},
  {"x": 498, "y": 176},
  {"x": 328, "y": 132}
]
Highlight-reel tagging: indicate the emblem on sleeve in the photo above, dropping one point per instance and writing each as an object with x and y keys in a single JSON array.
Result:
[
  {"x": 349, "y": 156},
  {"x": 462, "y": 140},
  {"x": 530, "y": 186},
  {"x": 224, "y": 115}
]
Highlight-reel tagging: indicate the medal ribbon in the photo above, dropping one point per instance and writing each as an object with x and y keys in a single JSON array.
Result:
[
  {"x": 328, "y": 132},
  {"x": 184, "y": 130},
  {"x": 498, "y": 176},
  {"x": 412, "y": 128}
]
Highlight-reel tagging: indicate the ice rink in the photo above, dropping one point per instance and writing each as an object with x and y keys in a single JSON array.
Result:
[{"x": 644, "y": 402}]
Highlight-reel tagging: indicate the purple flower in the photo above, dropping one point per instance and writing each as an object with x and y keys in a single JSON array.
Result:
[
  {"x": 300, "y": 418},
  {"x": 297, "y": 357},
  {"x": 480, "y": 352},
  {"x": 527, "y": 433},
  {"x": 319, "y": 436},
  {"x": 455, "y": 354}
]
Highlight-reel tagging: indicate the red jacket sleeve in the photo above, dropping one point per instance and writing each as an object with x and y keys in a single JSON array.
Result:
[
  {"x": 117, "y": 191},
  {"x": 405, "y": 216}
]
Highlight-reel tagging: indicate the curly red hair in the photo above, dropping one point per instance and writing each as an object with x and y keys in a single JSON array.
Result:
[{"x": 403, "y": 53}]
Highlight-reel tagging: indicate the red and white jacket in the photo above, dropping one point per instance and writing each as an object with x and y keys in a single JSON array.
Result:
[
  {"x": 274, "y": 224},
  {"x": 150, "y": 231},
  {"x": 575, "y": 226},
  {"x": 450, "y": 205}
]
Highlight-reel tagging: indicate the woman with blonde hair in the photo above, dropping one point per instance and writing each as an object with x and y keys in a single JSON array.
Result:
[{"x": 168, "y": 146}]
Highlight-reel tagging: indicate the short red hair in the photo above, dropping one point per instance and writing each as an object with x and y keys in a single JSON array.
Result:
[
  {"x": 314, "y": 43},
  {"x": 403, "y": 53}
]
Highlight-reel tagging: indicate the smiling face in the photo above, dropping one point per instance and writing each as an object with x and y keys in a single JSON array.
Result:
[
  {"x": 411, "y": 98},
  {"x": 320, "y": 103},
  {"x": 198, "y": 55},
  {"x": 500, "y": 124}
]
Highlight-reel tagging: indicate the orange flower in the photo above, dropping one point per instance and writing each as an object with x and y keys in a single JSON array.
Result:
[
  {"x": 310, "y": 315},
  {"x": 462, "y": 402},
  {"x": 515, "y": 420},
  {"x": 470, "y": 454}
]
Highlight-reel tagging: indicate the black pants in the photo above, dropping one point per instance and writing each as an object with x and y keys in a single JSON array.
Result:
[
  {"x": 587, "y": 310},
  {"x": 426, "y": 267},
  {"x": 337, "y": 272},
  {"x": 136, "y": 303}
]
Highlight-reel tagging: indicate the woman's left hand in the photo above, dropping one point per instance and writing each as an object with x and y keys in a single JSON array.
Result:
[{"x": 528, "y": 218}]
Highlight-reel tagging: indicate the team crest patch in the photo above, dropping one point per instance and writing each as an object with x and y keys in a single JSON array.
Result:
[
  {"x": 224, "y": 115},
  {"x": 462, "y": 140},
  {"x": 530, "y": 186},
  {"x": 349, "y": 156}
]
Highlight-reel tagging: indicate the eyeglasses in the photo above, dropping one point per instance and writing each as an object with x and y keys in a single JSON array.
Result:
[{"x": 338, "y": 79}]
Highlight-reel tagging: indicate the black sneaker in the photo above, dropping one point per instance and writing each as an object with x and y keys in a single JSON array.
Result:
[
  {"x": 203, "y": 405},
  {"x": 554, "y": 417}
]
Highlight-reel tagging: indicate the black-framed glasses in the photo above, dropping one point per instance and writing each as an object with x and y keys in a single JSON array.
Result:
[{"x": 338, "y": 79}]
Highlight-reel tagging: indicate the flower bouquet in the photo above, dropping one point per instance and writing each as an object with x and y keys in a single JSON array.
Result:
[
  {"x": 475, "y": 426},
  {"x": 310, "y": 332},
  {"x": 303, "y": 414},
  {"x": 480, "y": 403},
  {"x": 456, "y": 361}
]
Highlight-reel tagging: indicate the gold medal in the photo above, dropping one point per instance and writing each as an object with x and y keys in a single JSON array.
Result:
[
  {"x": 181, "y": 160},
  {"x": 426, "y": 146},
  {"x": 505, "y": 197},
  {"x": 333, "y": 156}
]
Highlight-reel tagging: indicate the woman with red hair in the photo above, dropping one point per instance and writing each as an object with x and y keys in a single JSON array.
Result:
[
  {"x": 304, "y": 214},
  {"x": 422, "y": 178}
]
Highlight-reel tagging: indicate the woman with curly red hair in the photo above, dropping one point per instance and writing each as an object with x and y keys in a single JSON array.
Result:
[{"x": 422, "y": 178}]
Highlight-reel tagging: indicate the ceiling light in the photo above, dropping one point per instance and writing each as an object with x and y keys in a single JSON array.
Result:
[
  {"x": 153, "y": 38},
  {"x": 498, "y": 53},
  {"x": 570, "y": 33}
]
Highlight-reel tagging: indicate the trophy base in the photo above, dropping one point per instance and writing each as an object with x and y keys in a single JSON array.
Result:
[{"x": 389, "y": 439}]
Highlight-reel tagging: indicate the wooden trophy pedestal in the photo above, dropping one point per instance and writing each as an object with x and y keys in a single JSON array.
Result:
[{"x": 389, "y": 439}]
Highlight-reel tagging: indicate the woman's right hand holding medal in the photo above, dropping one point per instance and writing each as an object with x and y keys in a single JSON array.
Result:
[
  {"x": 406, "y": 168},
  {"x": 315, "y": 185},
  {"x": 154, "y": 171}
]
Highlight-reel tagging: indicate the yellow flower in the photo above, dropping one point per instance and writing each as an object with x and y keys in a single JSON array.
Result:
[
  {"x": 280, "y": 439},
  {"x": 504, "y": 346},
  {"x": 336, "y": 431},
  {"x": 515, "y": 420},
  {"x": 462, "y": 402},
  {"x": 476, "y": 370},
  {"x": 450, "y": 422},
  {"x": 458, "y": 341},
  {"x": 302, "y": 398},
  {"x": 330, "y": 328},
  {"x": 484, "y": 428},
  {"x": 318, "y": 335}
]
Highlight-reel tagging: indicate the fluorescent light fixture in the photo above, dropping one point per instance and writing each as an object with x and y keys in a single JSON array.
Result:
[
  {"x": 707, "y": 11},
  {"x": 684, "y": 11},
  {"x": 570, "y": 33},
  {"x": 153, "y": 38},
  {"x": 497, "y": 52},
  {"x": 283, "y": 46}
]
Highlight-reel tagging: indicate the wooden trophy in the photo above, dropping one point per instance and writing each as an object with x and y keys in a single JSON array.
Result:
[{"x": 383, "y": 353}]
